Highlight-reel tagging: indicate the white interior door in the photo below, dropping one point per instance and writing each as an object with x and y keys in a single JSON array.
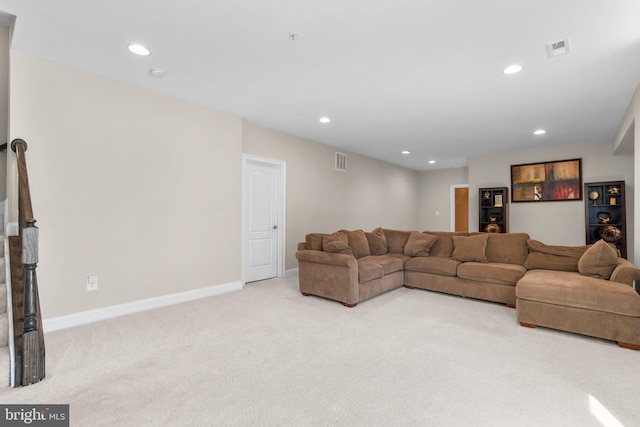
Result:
[{"x": 261, "y": 220}]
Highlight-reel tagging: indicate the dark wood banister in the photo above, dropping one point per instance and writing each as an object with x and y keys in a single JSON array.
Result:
[
  {"x": 30, "y": 368},
  {"x": 19, "y": 146}
]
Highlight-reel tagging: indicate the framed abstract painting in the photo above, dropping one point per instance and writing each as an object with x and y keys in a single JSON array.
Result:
[{"x": 547, "y": 182}]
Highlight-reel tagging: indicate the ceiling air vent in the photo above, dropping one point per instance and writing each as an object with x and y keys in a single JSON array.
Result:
[
  {"x": 558, "y": 48},
  {"x": 341, "y": 162}
]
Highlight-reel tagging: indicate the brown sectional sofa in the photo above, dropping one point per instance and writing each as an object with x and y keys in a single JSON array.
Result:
[{"x": 583, "y": 289}]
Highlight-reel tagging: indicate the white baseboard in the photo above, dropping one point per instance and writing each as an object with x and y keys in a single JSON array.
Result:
[
  {"x": 290, "y": 273},
  {"x": 12, "y": 344},
  {"x": 84, "y": 317},
  {"x": 11, "y": 229}
]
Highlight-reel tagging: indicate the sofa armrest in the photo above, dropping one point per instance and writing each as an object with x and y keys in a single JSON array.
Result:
[
  {"x": 328, "y": 275},
  {"x": 322, "y": 257},
  {"x": 625, "y": 272}
]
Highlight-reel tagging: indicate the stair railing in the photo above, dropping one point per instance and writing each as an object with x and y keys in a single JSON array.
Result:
[{"x": 28, "y": 333}]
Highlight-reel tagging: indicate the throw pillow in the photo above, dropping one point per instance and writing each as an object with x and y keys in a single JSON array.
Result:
[
  {"x": 598, "y": 261},
  {"x": 337, "y": 242},
  {"x": 377, "y": 242},
  {"x": 419, "y": 244},
  {"x": 470, "y": 249},
  {"x": 358, "y": 243}
]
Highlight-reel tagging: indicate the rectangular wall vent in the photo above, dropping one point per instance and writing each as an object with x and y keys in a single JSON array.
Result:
[
  {"x": 558, "y": 48},
  {"x": 341, "y": 162}
]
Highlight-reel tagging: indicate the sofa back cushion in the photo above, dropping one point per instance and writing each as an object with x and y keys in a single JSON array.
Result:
[
  {"x": 337, "y": 242},
  {"x": 313, "y": 241},
  {"x": 358, "y": 243},
  {"x": 553, "y": 257},
  {"x": 377, "y": 242},
  {"x": 470, "y": 248},
  {"x": 419, "y": 244},
  {"x": 443, "y": 247},
  {"x": 506, "y": 248},
  {"x": 396, "y": 240},
  {"x": 598, "y": 261}
]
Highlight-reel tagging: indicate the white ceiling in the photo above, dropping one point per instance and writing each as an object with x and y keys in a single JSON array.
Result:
[{"x": 422, "y": 75}]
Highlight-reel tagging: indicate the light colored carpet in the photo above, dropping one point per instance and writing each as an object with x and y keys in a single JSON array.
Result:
[{"x": 267, "y": 356}]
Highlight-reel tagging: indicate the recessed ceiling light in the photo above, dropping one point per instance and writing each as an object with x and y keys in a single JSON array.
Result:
[
  {"x": 325, "y": 119},
  {"x": 540, "y": 132},
  {"x": 431, "y": 162},
  {"x": 156, "y": 72},
  {"x": 138, "y": 49},
  {"x": 512, "y": 69},
  {"x": 406, "y": 152}
]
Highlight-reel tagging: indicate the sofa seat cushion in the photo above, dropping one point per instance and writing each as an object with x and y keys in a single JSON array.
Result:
[
  {"x": 398, "y": 256},
  {"x": 389, "y": 264},
  {"x": 433, "y": 265},
  {"x": 572, "y": 289},
  {"x": 492, "y": 272},
  {"x": 368, "y": 270}
]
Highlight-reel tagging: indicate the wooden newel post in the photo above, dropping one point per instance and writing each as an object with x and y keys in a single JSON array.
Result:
[
  {"x": 33, "y": 351},
  {"x": 33, "y": 362},
  {"x": 29, "y": 264}
]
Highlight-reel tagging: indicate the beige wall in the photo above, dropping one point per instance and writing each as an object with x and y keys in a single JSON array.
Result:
[
  {"x": 636, "y": 156},
  {"x": 138, "y": 188},
  {"x": 320, "y": 199},
  {"x": 434, "y": 197},
  {"x": 144, "y": 190},
  {"x": 4, "y": 107},
  {"x": 559, "y": 223},
  {"x": 630, "y": 128}
]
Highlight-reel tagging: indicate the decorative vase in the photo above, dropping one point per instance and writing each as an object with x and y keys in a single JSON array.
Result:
[
  {"x": 610, "y": 234},
  {"x": 493, "y": 228}
]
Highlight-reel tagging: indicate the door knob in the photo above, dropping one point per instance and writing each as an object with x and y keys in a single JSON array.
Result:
[{"x": 275, "y": 227}]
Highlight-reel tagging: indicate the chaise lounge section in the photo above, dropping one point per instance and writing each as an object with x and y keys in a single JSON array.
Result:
[{"x": 583, "y": 289}]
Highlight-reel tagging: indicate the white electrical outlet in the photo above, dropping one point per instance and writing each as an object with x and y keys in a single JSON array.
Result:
[{"x": 92, "y": 283}]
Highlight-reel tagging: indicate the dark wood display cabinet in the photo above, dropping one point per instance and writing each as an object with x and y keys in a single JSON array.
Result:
[
  {"x": 605, "y": 213},
  {"x": 494, "y": 210}
]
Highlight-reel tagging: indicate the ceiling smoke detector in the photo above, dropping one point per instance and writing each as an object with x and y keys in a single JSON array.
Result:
[
  {"x": 558, "y": 48},
  {"x": 156, "y": 72}
]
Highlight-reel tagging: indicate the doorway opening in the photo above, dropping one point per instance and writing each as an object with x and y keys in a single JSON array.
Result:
[
  {"x": 263, "y": 218},
  {"x": 459, "y": 207}
]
